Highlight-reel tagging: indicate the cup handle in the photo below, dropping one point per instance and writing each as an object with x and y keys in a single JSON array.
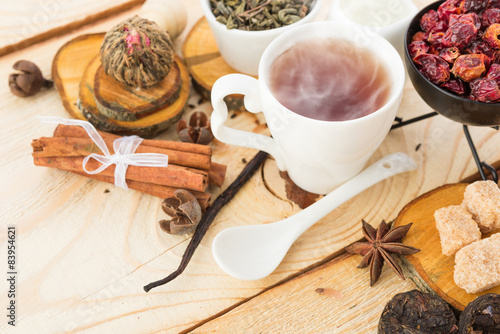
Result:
[{"x": 248, "y": 86}]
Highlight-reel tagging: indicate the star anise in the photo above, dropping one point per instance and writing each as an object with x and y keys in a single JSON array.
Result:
[{"x": 380, "y": 244}]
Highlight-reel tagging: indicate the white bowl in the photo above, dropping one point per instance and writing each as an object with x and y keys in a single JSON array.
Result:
[
  {"x": 388, "y": 18},
  {"x": 242, "y": 49}
]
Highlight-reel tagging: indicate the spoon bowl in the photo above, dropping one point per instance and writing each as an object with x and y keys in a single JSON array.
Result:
[{"x": 253, "y": 252}]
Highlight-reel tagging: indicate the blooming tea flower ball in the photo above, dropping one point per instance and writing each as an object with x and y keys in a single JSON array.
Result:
[{"x": 137, "y": 52}]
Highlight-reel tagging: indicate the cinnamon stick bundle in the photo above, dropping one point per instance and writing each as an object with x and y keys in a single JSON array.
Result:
[
  {"x": 172, "y": 176},
  {"x": 190, "y": 166},
  {"x": 152, "y": 189}
]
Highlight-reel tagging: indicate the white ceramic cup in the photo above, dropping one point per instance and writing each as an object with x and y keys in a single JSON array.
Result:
[
  {"x": 318, "y": 155},
  {"x": 242, "y": 49},
  {"x": 388, "y": 18}
]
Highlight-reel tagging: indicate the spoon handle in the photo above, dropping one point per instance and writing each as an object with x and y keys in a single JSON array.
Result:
[{"x": 386, "y": 167}]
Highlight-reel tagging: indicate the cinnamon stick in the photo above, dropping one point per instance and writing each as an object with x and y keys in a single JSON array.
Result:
[
  {"x": 152, "y": 189},
  {"x": 172, "y": 176},
  {"x": 83, "y": 146},
  {"x": 78, "y": 131},
  {"x": 217, "y": 174}
]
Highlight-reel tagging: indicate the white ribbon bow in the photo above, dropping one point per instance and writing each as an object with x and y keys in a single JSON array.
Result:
[{"x": 124, "y": 148}]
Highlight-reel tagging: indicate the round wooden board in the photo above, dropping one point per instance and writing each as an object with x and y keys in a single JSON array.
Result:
[
  {"x": 68, "y": 69},
  {"x": 435, "y": 269},
  {"x": 205, "y": 63}
]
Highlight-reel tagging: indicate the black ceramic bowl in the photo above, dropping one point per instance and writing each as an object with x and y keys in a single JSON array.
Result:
[{"x": 452, "y": 106}]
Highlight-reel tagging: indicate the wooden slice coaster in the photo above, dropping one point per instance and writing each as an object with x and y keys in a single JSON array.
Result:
[
  {"x": 119, "y": 101},
  {"x": 146, "y": 127},
  {"x": 434, "y": 268},
  {"x": 68, "y": 68},
  {"x": 205, "y": 63}
]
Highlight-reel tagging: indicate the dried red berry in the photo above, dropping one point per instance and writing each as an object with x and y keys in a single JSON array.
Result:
[
  {"x": 494, "y": 73},
  {"x": 473, "y": 5},
  {"x": 450, "y": 54},
  {"x": 419, "y": 36},
  {"x": 480, "y": 47},
  {"x": 491, "y": 36},
  {"x": 433, "y": 67},
  {"x": 459, "y": 35},
  {"x": 491, "y": 16},
  {"x": 448, "y": 8},
  {"x": 484, "y": 90},
  {"x": 470, "y": 67},
  {"x": 436, "y": 40},
  {"x": 493, "y": 4},
  {"x": 416, "y": 48},
  {"x": 455, "y": 86},
  {"x": 429, "y": 20},
  {"x": 472, "y": 18}
]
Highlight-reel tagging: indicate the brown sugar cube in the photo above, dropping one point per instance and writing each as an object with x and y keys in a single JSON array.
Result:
[
  {"x": 482, "y": 199},
  {"x": 456, "y": 228},
  {"x": 477, "y": 266}
]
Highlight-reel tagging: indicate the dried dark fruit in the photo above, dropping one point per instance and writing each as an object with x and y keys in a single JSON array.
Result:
[
  {"x": 184, "y": 210},
  {"x": 491, "y": 36},
  {"x": 472, "y": 18},
  {"x": 494, "y": 73},
  {"x": 450, "y": 54},
  {"x": 482, "y": 315},
  {"x": 29, "y": 81},
  {"x": 456, "y": 86},
  {"x": 197, "y": 131},
  {"x": 480, "y": 47},
  {"x": 416, "y": 48},
  {"x": 484, "y": 90},
  {"x": 474, "y": 5},
  {"x": 429, "y": 20},
  {"x": 491, "y": 16},
  {"x": 493, "y": 4},
  {"x": 436, "y": 40},
  {"x": 459, "y": 35},
  {"x": 471, "y": 66},
  {"x": 433, "y": 67},
  {"x": 448, "y": 8},
  {"x": 419, "y": 37},
  {"x": 415, "y": 312}
]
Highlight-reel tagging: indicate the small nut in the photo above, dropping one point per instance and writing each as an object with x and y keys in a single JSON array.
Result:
[
  {"x": 29, "y": 81},
  {"x": 197, "y": 131}
]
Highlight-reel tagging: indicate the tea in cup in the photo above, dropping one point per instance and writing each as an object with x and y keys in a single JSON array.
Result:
[{"x": 329, "y": 94}]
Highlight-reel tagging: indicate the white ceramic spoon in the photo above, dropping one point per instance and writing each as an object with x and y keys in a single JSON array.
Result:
[{"x": 252, "y": 252}]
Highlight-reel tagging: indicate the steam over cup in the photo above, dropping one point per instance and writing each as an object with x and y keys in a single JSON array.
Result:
[
  {"x": 318, "y": 155},
  {"x": 242, "y": 49}
]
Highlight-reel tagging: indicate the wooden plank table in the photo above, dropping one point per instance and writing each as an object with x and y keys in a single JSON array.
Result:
[{"x": 86, "y": 248}]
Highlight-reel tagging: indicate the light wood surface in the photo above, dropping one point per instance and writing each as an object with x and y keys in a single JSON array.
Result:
[
  {"x": 85, "y": 253},
  {"x": 28, "y": 22}
]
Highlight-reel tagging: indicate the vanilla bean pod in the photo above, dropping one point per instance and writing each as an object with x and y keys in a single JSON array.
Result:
[{"x": 210, "y": 215}]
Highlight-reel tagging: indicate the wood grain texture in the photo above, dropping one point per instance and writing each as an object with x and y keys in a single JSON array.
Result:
[
  {"x": 25, "y": 23},
  {"x": 345, "y": 305},
  {"x": 434, "y": 268},
  {"x": 85, "y": 253},
  {"x": 202, "y": 57}
]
